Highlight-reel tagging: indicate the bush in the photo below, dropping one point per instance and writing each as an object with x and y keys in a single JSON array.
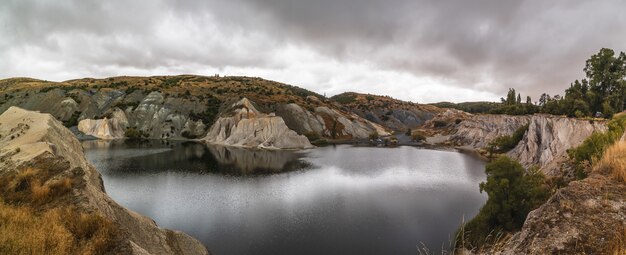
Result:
[
  {"x": 506, "y": 143},
  {"x": 439, "y": 123},
  {"x": 513, "y": 192},
  {"x": 73, "y": 120},
  {"x": 418, "y": 136},
  {"x": 134, "y": 133},
  {"x": 592, "y": 148},
  {"x": 373, "y": 135}
]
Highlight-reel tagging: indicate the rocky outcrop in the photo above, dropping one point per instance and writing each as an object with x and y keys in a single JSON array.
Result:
[
  {"x": 478, "y": 130},
  {"x": 548, "y": 138},
  {"x": 586, "y": 217},
  {"x": 31, "y": 139},
  {"x": 245, "y": 126},
  {"x": 328, "y": 122},
  {"x": 107, "y": 128},
  {"x": 386, "y": 111}
]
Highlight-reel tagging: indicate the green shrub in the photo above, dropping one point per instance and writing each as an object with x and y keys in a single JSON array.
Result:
[
  {"x": 134, "y": 133},
  {"x": 513, "y": 192},
  {"x": 592, "y": 148},
  {"x": 73, "y": 120},
  {"x": 439, "y": 123},
  {"x": 506, "y": 143}
]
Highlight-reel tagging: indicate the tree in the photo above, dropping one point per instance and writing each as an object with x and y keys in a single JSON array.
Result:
[
  {"x": 510, "y": 97},
  {"x": 543, "y": 99},
  {"x": 513, "y": 192},
  {"x": 528, "y": 100},
  {"x": 605, "y": 73},
  {"x": 519, "y": 98}
]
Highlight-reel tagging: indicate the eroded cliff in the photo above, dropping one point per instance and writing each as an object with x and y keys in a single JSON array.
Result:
[
  {"x": 245, "y": 126},
  {"x": 548, "y": 138}
]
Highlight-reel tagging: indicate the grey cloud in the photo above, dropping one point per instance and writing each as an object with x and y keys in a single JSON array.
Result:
[{"x": 486, "y": 46}]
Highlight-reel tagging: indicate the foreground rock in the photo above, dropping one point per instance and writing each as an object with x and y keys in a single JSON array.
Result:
[
  {"x": 548, "y": 138},
  {"x": 245, "y": 126},
  {"x": 30, "y": 139},
  {"x": 586, "y": 217}
]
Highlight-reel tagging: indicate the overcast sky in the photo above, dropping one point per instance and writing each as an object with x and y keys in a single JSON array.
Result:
[{"x": 417, "y": 50}]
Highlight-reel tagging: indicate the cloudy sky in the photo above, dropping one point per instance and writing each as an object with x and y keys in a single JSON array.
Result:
[{"x": 417, "y": 50}]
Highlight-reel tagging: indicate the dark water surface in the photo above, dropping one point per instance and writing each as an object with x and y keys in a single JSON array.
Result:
[{"x": 330, "y": 200}]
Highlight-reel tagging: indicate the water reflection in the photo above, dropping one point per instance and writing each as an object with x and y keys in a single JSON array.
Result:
[
  {"x": 183, "y": 156},
  {"x": 355, "y": 200}
]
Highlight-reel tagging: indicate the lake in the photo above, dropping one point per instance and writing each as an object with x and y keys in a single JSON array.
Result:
[{"x": 328, "y": 200}]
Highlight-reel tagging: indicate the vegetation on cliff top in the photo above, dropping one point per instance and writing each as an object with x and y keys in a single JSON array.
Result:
[
  {"x": 601, "y": 93},
  {"x": 592, "y": 148}
]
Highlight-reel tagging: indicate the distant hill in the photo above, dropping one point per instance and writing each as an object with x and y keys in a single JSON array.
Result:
[{"x": 387, "y": 111}]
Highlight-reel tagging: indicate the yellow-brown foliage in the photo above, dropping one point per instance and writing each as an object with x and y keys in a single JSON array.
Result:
[
  {"x": 30, "y": 224},
  {"x": 57, "y": 231},
  {"x": 614, "y": 161},
  {"x": 33, "y": 186}
]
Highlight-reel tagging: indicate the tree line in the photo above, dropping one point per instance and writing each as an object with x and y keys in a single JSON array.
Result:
[{"x": 601, "y": 93}]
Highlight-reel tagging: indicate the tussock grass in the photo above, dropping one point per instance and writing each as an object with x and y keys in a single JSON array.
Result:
[
  {"x": 33, "y": 221},
  {"x": 58, "y": 231},
  {"x": 614, "y": 161},
  {"x": 33, "y": 186}
]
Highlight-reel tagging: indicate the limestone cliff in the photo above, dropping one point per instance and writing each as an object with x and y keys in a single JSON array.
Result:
[
  {"x": 548, "y": 138},
  {"x": 31, "y": 139},
  {"x": 245, "y": 126}
]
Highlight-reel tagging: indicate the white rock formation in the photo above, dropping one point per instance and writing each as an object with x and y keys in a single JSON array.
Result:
[
  {"x": 549, "y": 137},
  {"x": 107, "y": 128},
  {"x": 247, "y": 127}
]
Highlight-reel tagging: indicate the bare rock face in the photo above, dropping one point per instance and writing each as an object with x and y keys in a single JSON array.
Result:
[
  {"x": 107, "y": 128},
  {"x": 245, "y": 126},
  {"x": 549, "y": 137},
  {"x": 31, "y": 139},
  {"x": 479, "y": 130},
  {"x": 337, "y": 125}
]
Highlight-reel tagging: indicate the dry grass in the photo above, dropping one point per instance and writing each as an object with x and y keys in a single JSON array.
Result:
[
  {"x": 57, "y": 231},
  {"x": 33, "y": 221},
  {"x": 614, "y": 161},
  {"x": 33, "y": 186}
]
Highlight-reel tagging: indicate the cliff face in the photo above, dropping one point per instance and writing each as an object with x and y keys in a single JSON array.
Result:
[
  {"x": 245, "y": 126},
  {"x": 478, "y": 131},
  {"x": 36, "y": 140},
  {"x": 548, "y": 138}
]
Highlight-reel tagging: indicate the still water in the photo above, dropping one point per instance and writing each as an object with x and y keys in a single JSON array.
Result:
[{"x": 328, "y": 200}]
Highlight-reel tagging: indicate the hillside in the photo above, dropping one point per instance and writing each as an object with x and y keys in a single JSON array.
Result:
[
  {"x": 396, "y": 114},
  {"x": 184, "y": 106}
]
